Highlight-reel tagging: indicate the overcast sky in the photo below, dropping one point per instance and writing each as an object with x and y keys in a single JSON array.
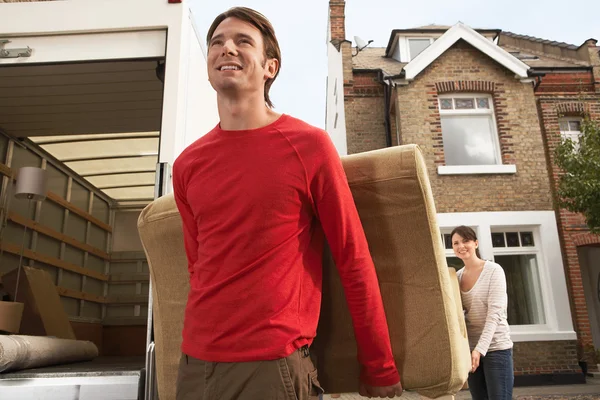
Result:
[{"x": 302, "y": 27}]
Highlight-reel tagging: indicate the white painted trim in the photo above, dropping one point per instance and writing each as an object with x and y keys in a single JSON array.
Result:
[
  {"x": 538, "y": 336},
  {"x": 89, "y": 47},
  {"x": 452, "y": 35},
  {"x": 559, "y": 325},
  {"x": 477, "y": 169}
]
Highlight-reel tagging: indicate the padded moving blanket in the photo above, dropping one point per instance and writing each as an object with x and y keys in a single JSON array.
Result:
[{"x": 393, "y": 196}]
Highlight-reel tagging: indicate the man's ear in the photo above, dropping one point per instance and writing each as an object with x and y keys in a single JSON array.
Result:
[{"x": 271, "y": 68}]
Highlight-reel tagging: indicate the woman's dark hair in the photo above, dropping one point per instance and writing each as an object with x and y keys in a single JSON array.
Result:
[{"x": 466, "y": 233}]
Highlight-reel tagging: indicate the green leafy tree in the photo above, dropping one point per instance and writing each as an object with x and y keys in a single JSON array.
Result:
[{"x": 579, "y": 183}]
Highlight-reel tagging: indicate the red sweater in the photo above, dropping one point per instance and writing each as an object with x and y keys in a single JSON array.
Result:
[{"x": 251, "y": 202}]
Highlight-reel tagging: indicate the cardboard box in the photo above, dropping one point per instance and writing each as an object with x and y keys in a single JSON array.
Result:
[
  {"x": 43, "y": 314},
  {"x": 10, "y": 316}
]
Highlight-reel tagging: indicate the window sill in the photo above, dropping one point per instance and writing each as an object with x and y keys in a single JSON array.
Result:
[
  {"x": 538, "y": 335},
  {"x": 476, "y": 169}
]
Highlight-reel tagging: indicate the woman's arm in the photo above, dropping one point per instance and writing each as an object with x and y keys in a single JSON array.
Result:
[{"x": 497, "y": 301}]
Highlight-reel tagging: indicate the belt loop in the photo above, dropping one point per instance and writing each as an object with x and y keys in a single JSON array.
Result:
[
  {"x": 186, "y": 360},
  {"x": 305, "y": 351}
]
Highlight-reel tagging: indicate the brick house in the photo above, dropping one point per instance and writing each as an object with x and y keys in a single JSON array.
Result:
[
  {"x": 568, "y": 90},
  {"x": 484, "y": 106}
]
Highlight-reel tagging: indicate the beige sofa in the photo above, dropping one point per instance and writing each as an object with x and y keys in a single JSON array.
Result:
[{"x": 392, "y": 193}]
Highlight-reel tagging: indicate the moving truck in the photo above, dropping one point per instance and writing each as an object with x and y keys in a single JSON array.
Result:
[{"x": 103, "y": 95}]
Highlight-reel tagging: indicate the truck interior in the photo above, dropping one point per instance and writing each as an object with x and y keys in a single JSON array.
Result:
[{"x": 94, "y": 127}]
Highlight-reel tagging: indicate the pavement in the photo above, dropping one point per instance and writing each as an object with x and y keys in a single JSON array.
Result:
[{"x": 587, "y": 391}]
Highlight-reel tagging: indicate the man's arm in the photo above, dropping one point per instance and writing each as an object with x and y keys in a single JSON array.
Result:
[
  {"x": 190, "y": 229},
  {"x": 337, "y": 212}
]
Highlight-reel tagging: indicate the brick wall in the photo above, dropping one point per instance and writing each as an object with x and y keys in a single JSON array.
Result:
[
  {"x": 552, "y": 357},
  {"x": 572, "y": 228},
  {"x": 464, "y": 68},
  {"x": 365, "y": 117}
]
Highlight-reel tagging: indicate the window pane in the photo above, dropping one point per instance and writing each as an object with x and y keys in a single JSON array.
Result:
[
  {"x": 527, "y": 239},
  {"x": 446, "y": 104},
  {"x": 416, "y": 46},
  {"x": 447, "y": 241},
  {"x": 564, "y": 126},
  {"x": 574, "y": 136},
  {"x": 498, "y": 240},
  {"x": 523, "y": 286},
  {"x": 454, "y": 262},
  {"x": 483, "y": 102},
  {"x": 468, "y": 140},
  {"x": 575, "y": 126},
  {"x": 512, "y": 239},
  {"x": 464, "y": 104}
]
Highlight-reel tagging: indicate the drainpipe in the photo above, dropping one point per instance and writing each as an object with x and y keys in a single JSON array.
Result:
[
  {"x": 386, "y": 111},
  {"x": 387, "y": 92},
  {"x": 538, "y": 78}
]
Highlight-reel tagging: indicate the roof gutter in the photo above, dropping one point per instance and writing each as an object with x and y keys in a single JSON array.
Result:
[
  {"x": 538, "y": 75},
  {"x": 401, "y": 75}
]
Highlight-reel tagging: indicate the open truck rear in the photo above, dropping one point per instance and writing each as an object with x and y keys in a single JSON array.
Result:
[{"x": 102, "y": 95}]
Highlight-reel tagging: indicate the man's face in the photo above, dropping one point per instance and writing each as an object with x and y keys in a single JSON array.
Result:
[{"x": 236, "y": 59}]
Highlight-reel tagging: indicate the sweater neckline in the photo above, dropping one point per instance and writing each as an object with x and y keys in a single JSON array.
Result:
[
  {"x": 485, "y": 264},
  {"x": 272, "y": 127}
]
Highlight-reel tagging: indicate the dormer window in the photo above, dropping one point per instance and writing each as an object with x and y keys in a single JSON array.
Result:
[
  {"x": 409, "y": 47},
  {"x": 417, "y": 45}
]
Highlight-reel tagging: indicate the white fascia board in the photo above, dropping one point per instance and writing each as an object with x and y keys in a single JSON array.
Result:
[
  {"x": 452, "y": 35},
  {"x": 63, "y": 17}
]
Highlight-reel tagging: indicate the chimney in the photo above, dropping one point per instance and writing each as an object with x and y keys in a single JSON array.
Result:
[
  {"x": 594, "y": 52},
  {"x": 337, "y": 20}
]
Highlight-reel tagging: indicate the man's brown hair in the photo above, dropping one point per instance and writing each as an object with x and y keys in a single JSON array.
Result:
[{"x": 261, "y": 23}]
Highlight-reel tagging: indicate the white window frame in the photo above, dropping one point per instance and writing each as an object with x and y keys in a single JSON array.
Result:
[
  {"x": 573, "y": 135},
  {"x": 409, "y": 38},
  {"x": 497, "y": 168},
  {"x": 524, "y": 250},
  {"x": 558, "y": 323}
]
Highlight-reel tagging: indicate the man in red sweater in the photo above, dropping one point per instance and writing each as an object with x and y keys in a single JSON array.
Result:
[{"x": 258, "y": 196}]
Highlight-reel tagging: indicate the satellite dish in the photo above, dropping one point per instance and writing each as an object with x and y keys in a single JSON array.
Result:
[{"x": 360, "y": 44}]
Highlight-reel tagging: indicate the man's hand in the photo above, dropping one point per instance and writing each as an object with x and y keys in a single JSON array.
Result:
[
  {"x": 475, "y": 356},
  {"x": 380, "y": 391}
]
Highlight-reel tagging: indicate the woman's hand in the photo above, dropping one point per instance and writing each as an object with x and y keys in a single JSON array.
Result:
[{"x": 475, "y": 356}]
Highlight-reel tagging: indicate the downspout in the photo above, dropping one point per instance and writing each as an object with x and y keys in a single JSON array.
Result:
[
  {"x": 387, "y": 91},
  {"x": 538, "y": 78},
  {"x": 386, "y": 111}
]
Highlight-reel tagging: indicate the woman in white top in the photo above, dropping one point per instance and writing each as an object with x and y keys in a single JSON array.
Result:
[{"x": 484, "y": 298}]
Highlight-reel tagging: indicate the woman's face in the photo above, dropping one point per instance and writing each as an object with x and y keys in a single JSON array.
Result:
[{"x": 464, "y": 248}]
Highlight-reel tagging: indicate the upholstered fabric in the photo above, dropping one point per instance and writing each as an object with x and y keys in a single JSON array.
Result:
[
  {"x": 393, "y": 196},
  {"x": 19, "y": 352},
  {"x": 161, "y": 233}
]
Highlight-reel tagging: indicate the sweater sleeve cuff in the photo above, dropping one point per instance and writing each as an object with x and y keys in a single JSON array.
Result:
[
  {"x": 380, "y": 377},
  {"x": 481, "y": 351}
]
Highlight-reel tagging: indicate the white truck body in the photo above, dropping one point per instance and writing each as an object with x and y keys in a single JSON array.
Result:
[{"x": 86, "y": 31}]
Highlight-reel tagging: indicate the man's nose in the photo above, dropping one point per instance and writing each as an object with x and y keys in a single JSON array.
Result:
[{"x": 228, "y": 49}]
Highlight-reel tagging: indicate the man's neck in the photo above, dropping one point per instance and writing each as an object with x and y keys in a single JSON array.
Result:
[{"x": 244, "y": 114}]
